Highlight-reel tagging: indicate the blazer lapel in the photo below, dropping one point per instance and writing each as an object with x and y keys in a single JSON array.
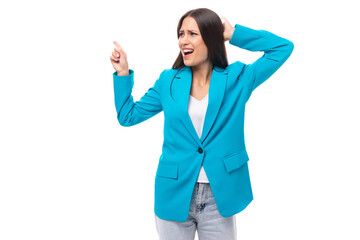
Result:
[{"x": 216, "y": 94}]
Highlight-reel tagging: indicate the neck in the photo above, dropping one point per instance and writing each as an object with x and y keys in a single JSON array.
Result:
[{"x": 202, "y": 73}]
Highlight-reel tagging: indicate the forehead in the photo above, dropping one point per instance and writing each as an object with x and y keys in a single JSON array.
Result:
[{"x": 189, "y": 23}]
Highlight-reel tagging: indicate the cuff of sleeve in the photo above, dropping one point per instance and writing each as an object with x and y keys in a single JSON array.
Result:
[
  {"x": 130, "y": 76},
  {"x": 241, "y": 35}
]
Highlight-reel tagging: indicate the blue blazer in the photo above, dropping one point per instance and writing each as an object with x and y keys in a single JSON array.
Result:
[{"x": 221, "y": 148}]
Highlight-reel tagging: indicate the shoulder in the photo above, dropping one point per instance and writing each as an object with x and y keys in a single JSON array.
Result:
[
  {"x": 169, "y": 73},
  {"x": 235, "y": 68}
]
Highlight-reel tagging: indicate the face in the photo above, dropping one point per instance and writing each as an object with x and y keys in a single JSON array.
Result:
[{"x": 190, "y": 38}]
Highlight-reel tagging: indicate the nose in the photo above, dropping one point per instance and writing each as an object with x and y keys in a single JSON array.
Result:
[{"x": 183, "y": 40}]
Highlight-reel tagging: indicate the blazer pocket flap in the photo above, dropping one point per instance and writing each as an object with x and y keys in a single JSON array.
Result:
[
  {"x": 169, "y": 170},
  {"x": 236, "y": 160}
]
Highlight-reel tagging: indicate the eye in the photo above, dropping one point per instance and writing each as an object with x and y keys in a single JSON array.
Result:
[{"x": 180, "y": 34}]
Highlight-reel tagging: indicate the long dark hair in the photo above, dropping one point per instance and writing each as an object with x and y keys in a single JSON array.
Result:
[{"x": 211, "y": 30}]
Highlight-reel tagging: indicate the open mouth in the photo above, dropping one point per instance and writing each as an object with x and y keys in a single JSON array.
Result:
[{"x": 187, "y": 53}]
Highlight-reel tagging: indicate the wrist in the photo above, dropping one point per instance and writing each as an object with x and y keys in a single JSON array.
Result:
[
  {"x": 122, "y": 73},
  {"x": 230, "y": 34}
]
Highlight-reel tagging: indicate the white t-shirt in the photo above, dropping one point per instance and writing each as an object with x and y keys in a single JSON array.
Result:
[{"x": 197, "y": 111}]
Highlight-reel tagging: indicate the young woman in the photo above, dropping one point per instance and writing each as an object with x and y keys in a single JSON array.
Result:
[{"x": 202, "y": 179}]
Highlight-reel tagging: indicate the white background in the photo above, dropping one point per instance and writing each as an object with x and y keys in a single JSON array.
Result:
[{"x": 68, "y": 170}]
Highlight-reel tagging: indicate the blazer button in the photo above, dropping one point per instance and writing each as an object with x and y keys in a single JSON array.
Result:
[{"x": 200, "y": 150}]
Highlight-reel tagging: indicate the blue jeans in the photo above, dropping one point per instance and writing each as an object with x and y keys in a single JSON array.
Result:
[{"x": 204, "y": 217}]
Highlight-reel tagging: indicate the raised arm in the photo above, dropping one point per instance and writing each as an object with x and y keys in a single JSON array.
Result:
[
  {"x": 276, "y": 51},
  {"x": 130, "y": 113}
]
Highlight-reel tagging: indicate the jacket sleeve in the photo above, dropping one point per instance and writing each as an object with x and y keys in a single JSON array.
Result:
[
  {"x": 276, "y": 51},
  {"x": 130, "y": 113}
]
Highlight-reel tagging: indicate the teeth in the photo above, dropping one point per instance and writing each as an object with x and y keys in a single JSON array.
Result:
[{"x": 188, "y": 50}]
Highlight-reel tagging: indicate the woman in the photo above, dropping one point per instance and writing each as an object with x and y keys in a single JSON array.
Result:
[{"x": 202, "y": 179}]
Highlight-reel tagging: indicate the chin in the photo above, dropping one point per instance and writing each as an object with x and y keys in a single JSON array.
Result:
[{"x": 189, "y": 63}]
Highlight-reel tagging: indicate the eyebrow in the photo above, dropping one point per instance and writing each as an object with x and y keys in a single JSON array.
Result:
[{"x": 188, "y": 30}]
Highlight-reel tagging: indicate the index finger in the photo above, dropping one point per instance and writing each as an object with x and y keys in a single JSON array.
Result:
[{"x": 117, "y": 44}]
